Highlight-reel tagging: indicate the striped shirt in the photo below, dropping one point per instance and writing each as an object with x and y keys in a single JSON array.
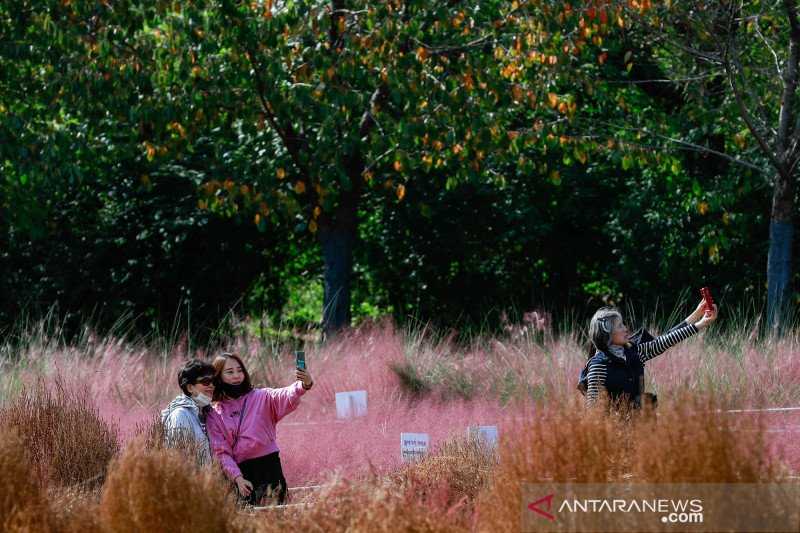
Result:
[{"x": 598, "y": 369}]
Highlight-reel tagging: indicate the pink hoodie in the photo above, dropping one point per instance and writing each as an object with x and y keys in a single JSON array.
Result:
[{"x": 265, "y": 407}]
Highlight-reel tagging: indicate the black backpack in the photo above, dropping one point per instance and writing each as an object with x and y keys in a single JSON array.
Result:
[{"x": 640, "y": 336}]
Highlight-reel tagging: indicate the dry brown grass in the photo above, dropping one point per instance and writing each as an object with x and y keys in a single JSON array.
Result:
[
  {"x": 461, "y": 487},
  {"x": 374, "y": 505},
  {"x": 451, "y": 477},
  {"x": 151, "y": 433},
  {"x": 559, "y": 444},
  {"x": 435, "y": 494},
  {"x": 161, "y": 490},
  {"x": 23, "y": 505},
  {"x": 62, "y": 433},
  {"x": 75, "y": 511},
  {"x": 694, "y": 442},
  {"x": 688, "y": 441},
  {"x": 153, "y": 437}
]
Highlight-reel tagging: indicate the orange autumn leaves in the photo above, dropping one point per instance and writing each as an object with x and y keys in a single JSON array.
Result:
[
  {"x": 178, "y": 135},
  {"x": 228, "y": 198},
  {"x": 564, "y": 105},
  {"x": 529, "y": 61}
]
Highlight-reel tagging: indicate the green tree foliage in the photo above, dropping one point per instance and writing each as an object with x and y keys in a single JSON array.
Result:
[
  {"x": 312, "y": 105},
  {"x": 458, "y": 157},
  {"x": 739, "y": 63},
  {"x": 96, "y": 218}
]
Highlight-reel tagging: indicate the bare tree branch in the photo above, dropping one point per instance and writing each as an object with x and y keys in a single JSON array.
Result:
[
  {"x": 445, "y": 50},
  {"x": 730, "y": 70},
  {"x": 757, "y": 102},
  {"x": 769, "y": 47},
  {"x": 686, "y": 144},
  {"x": 710, "y": 75},
  {"x": 291, "y": 140}
]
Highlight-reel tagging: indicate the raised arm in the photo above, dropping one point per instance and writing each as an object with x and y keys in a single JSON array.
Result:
[
  {"x": 285, "y": 400},
  {"x": 693, "y": 318},
  {"x": 659, "y": 345}
]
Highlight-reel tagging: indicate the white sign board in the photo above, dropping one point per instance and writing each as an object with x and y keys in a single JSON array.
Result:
[
  {"x": 351, "y": 403},
  {"x": 413, "y": 445},
  {"x": 486, "y": 434}
]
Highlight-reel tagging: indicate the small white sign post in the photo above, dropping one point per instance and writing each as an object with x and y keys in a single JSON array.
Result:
[
  {"x": 413, "y": 446},
  {"x": 351, "y": 403},
  {"x": 486, "y": 434}
]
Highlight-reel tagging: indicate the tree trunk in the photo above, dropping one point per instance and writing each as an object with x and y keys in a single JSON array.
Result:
[
  {"x": 337, "y": 238},
  {"x": 779, "y": 260},
  {"x": 781, "y": 228}
]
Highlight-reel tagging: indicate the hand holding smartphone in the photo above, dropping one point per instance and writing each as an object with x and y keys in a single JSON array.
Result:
[
  {"x": 302, "y": 370},
  {"x": 706, "y": 294}
]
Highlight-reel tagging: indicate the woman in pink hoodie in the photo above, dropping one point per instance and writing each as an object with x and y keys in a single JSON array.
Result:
[{"x": 241, "y": 428}]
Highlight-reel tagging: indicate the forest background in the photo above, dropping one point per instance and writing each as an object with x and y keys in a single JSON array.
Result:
[{"x": 177, "y": 166}]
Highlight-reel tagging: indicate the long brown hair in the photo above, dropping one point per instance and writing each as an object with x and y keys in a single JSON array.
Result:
[{"x": 219, "y": 365}]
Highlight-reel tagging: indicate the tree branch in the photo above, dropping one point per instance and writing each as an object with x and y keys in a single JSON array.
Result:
[
  {"x": 745, "y": 113},
  {"x": 759, "y": 122},
  {"x": 687, "y": 144},
  {"x": 367, "y": 119},
  {"x": 289, "y": 137},
  {"x": 769, "y": 47},
  {"x": 445, "y": 50}
]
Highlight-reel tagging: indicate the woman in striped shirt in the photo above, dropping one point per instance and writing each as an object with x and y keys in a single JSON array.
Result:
[{"x": 617, "y": 367}]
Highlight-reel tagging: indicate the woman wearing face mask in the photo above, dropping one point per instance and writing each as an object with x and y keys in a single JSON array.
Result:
[
  {"x": 184, "y": 419},
  {"x": 241, "y": 427},
  {"x": 617, "y": 366}
]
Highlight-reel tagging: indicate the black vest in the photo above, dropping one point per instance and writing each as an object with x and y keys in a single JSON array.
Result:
[{"x": 624, "y": 379}]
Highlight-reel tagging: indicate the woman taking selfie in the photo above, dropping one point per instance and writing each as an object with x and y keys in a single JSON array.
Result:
[
  {"x": 241, "y": 427},
  {"x": 617, "y": 366}
]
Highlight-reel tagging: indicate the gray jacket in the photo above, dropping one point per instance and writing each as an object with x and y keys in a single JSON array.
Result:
[{"x": 185, "y": 424}]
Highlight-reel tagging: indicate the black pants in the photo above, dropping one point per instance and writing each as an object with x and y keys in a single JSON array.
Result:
[{"x": 266, "y": 475}]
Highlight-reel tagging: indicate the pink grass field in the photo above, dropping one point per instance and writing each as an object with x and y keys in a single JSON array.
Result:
[{"x": 491, "y": 382}]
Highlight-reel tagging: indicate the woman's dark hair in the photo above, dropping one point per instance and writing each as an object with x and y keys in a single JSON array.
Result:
[
  {"x": 193, "y": 370},
  {"x": 219, "y": 366}
]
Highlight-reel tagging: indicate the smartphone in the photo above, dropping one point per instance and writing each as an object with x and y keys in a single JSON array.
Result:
[
  {"x": 706, "y": 293},
  {"x": 300, "y": 360}
]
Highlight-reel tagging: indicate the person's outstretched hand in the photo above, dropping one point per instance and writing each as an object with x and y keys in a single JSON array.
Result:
[
  {"x": 698, "y": 313},
  {"x": 305, "y": 377},
  {"x": 708, "y": 318}
]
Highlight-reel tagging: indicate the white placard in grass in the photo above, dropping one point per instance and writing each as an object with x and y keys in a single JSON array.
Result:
[
  {"x": 351, "y": 403},
  {"x": 486, "y": 434},
  {"x": 413, "y": 446}
]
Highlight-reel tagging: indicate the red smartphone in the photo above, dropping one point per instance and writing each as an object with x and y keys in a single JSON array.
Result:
[{"x": 706, "y": 294}]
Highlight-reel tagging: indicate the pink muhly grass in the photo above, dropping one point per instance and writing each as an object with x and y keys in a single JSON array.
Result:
[{"x": 416, "y": 381}]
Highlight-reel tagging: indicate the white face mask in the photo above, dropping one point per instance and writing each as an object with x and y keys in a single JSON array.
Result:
[{"x": 201, "y": 400}]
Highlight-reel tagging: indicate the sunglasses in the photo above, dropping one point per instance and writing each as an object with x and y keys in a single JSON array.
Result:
[{"x": 208, "y": 380}]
